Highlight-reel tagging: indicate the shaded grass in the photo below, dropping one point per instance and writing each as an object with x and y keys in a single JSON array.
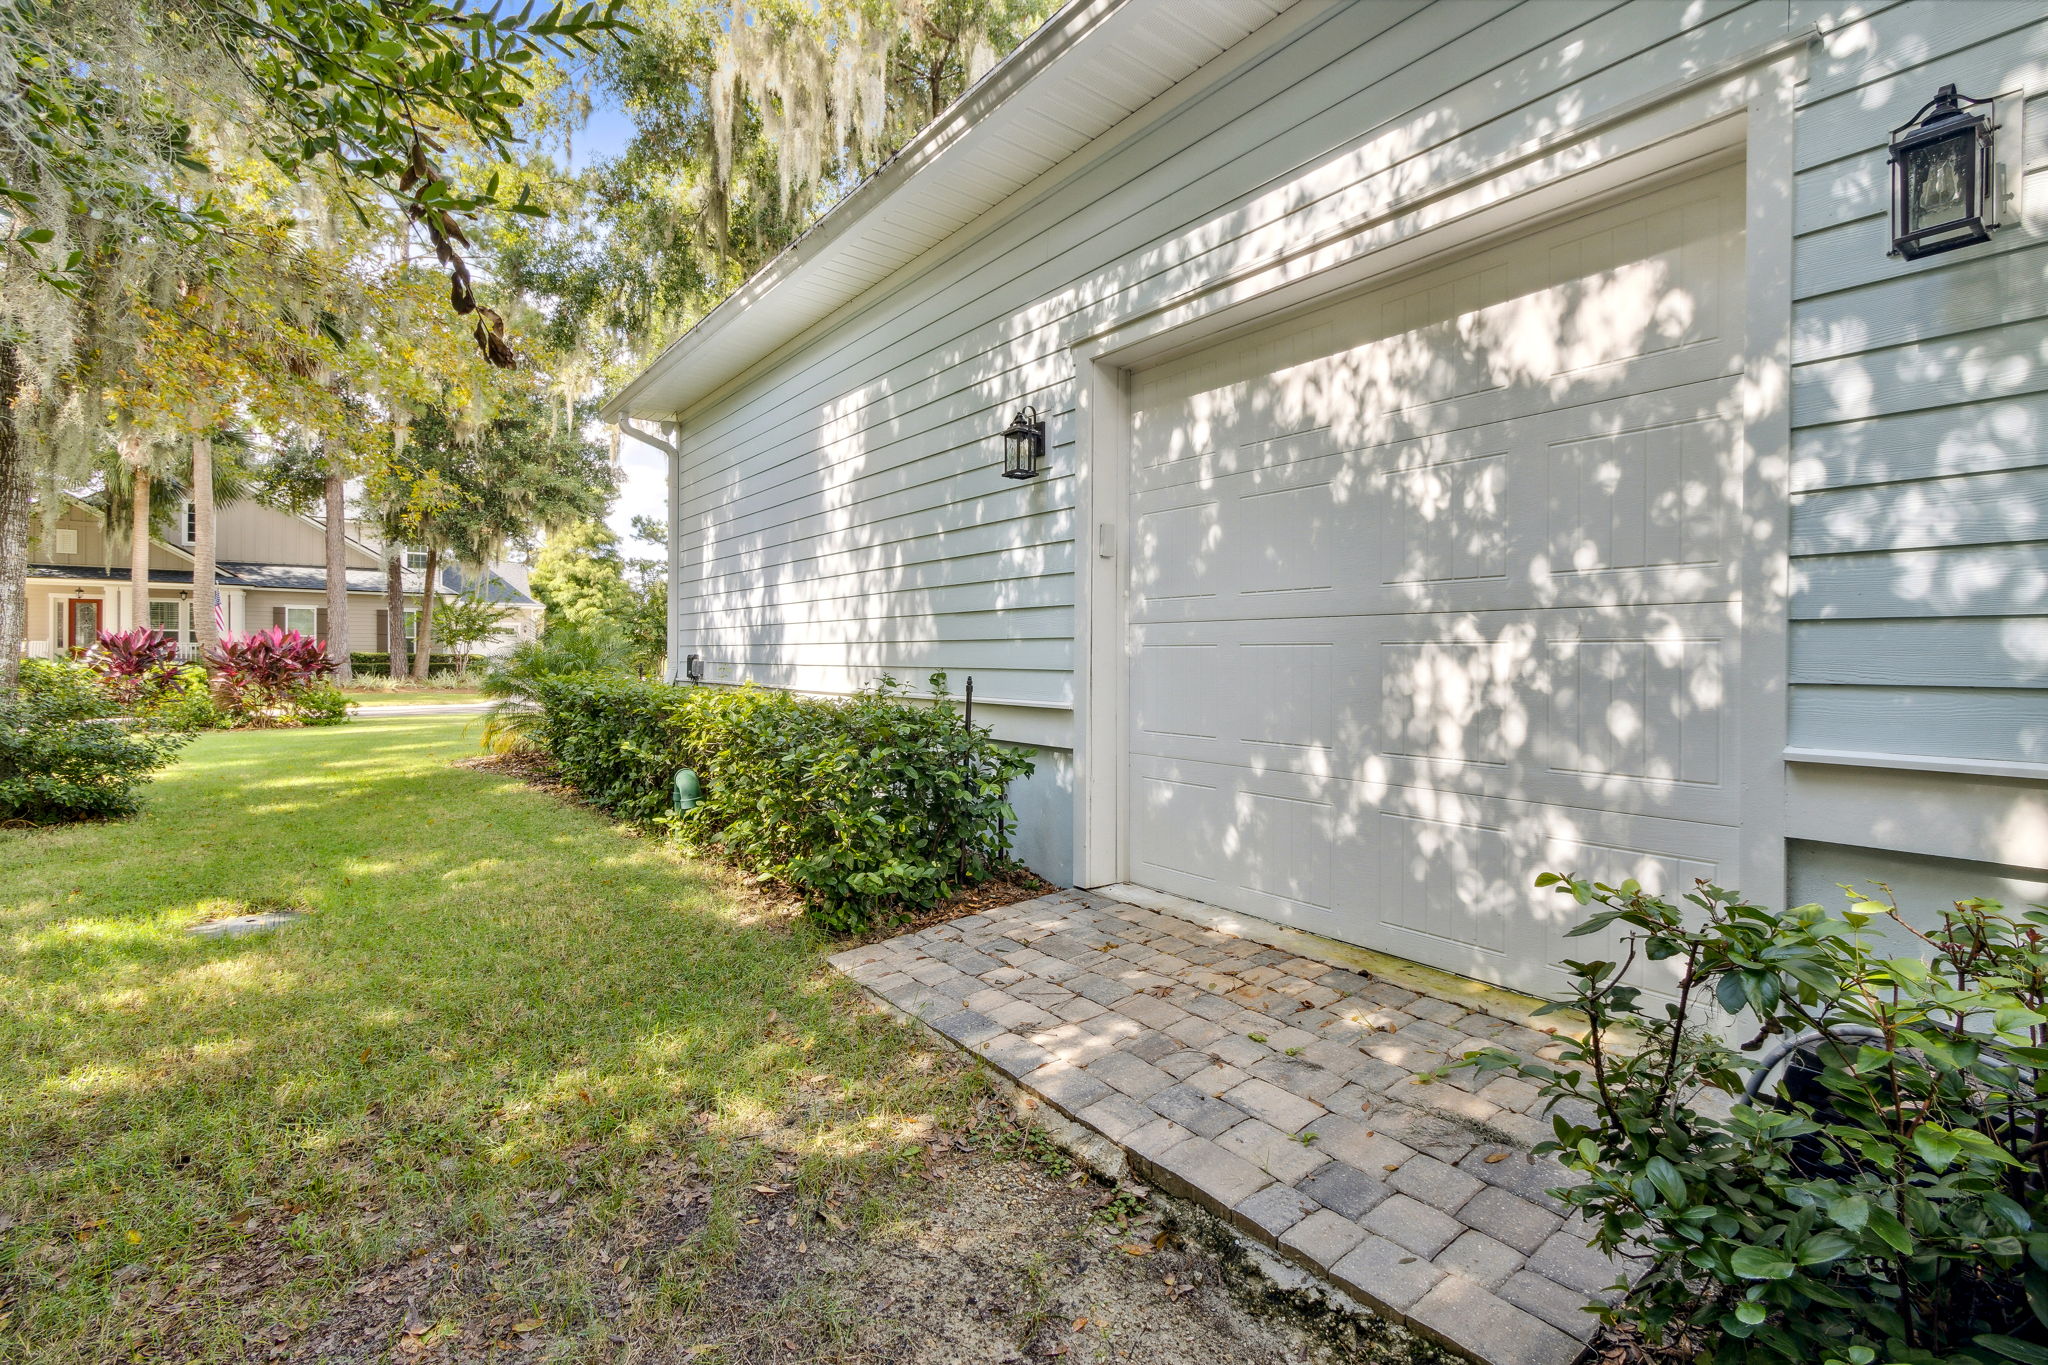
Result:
[{"x": 496, "y": 998}]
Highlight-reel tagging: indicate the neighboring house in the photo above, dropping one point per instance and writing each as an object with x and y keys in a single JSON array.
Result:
[
  {"x": 271, "y": 572},
  {"x": 1481, "y": 438}
]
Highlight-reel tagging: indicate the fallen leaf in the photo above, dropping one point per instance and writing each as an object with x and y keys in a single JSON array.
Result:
[
  {"x": 1393, "y": 1167},
  {"x": 1135, "y": 1249},
  {"x": 1080, "y": 1324},
  {"x": 527, "y": 1325},
  {"x": 1496, "y": 1158}
]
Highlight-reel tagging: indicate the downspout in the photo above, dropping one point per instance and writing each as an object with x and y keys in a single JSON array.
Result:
[{"x": 666, "y": 443}]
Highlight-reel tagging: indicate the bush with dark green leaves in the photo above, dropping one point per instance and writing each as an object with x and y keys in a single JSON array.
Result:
[
  {"x": 64, "y": 752},
  {"x": 867, "y": 806},
  {"x": 1882, "y": 1195}
]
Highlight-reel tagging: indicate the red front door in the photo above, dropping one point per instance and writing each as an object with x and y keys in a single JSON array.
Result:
[{"x": 84, "y": 621}]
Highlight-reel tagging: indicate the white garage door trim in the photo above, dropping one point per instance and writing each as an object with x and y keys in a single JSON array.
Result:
[{"x": 1748, "y": 115}]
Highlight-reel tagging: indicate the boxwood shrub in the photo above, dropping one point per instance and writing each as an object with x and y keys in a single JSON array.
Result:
[{"x": 866, "y": 805}]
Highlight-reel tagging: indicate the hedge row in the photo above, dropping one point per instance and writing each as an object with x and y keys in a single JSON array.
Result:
[
  {"x": 867, "y": 805},
  {"x": 377, "y": 663}
]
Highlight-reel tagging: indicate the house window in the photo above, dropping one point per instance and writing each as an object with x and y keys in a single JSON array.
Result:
[
  {"x": 66, "y": 542},
  {"x": 304, "y": 620},
  {"x": 163, "y": 616},
  {"x": 191, "y": 522},
  {"x": 412, "y": 631},
  {"x": 416, "y": 559}
]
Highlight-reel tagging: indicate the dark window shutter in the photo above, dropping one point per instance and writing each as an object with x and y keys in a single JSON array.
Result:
[
  {"x": 276, "y": 616},
  {"x": 383, "y": 631},
  {"x": 320, "y": 623}
]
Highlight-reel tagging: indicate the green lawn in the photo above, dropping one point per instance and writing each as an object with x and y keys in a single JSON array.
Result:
[
  {"x": 548, "y": 1070},
  {"x": 415, "y": 696}
]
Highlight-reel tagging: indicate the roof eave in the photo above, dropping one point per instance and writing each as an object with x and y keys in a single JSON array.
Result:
[{"x": 1024, "y": 64}]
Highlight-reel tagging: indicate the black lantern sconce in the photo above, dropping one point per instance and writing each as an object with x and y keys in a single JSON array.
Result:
[
  {"x": 1024, "y": 445},
  {"x": 1945, "y": 187}
]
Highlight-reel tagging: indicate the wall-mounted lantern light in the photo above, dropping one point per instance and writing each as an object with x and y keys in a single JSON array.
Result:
[
  {"x": 1024, "y": 445},
  {"x": 1944, "y": 177},
  {"x": 693, "y": 668}
]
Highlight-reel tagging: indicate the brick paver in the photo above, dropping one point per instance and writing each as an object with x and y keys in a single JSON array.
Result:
[{"x": 1283, "y": 1094}]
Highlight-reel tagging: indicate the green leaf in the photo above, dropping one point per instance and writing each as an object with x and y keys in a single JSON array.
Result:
[
  {"x": 1851, "y": 1211},
  {"x": 1824, "y": 1247},
  {"x": 1935, "y": 1145},
  {"x": 1751, "y": 1313},
  {"x": 2012, "y": 1348},
  {"x": 1761, "y": 1263},
  {"x": 1886, "y": 1224},
  {"x": 1668, "y": 1181}
]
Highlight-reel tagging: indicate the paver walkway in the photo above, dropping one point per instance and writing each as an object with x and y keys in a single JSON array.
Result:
[{"x": 1280, "y": 1092}]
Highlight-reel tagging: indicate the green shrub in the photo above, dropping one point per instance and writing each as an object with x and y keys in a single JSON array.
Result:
[
  {"x": 1886, "y": 1199},
  {"x": 320, "y": 704},
  {"x": 866, "y": 805},
  {"x": 182, "y": 700},
  {"x": 377, "y": 663},
  {"x": 512, "y": 682},
  {"x": 63, "y": 756}
]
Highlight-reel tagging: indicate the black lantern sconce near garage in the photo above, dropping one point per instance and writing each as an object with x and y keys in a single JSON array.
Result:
[
  {"x": 1944, "y": 177},
  {"x": 1024, "y": 444}
]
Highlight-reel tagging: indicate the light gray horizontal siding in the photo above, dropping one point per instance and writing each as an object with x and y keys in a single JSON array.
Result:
[
  {"x": 827, "y": 497},
  {"x": 1936, "y": 722},
  {"x": 1942, "y": 651},
  {"x": 1998, "y": 580},
  {"x": 1920, "y": 410}
]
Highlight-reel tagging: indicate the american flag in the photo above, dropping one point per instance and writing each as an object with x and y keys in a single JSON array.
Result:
[{"x": 220, "y": 614}]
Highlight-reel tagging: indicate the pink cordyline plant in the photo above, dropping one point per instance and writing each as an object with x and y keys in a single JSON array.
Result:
[
  {"x": 267, "y": 667},
  {"x": 133, "y": 653},
  {"x": 132, "y": 663}
]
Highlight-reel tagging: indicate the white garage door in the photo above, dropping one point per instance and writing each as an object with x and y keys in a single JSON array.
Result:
[{"x": 1434, "y": 589}]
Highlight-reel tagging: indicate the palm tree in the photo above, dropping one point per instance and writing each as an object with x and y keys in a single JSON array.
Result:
[
  {"x": 560, "y": 651},
  {"x": 144, "y": 491},
  {"x": 135, "y": 454}
]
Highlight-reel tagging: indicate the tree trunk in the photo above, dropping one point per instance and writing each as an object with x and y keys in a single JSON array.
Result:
[
  {"x": 394, "y": 603},
  {"x": 14, "y": 519},
  {"x": 204, "y": 579},
  {"x": 135, "y": 454},
  {"x": 337, "y": 573},
  {"x": 423, "y": 647}
]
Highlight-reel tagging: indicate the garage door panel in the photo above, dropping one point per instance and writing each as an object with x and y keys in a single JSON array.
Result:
[
  {"x": 1580, "y": 707},
  {"x": 1649, "y": 390},
  {"x": 1180, "y": 820},
  {"x": 1288, "y": 847},
  {"x": 1438, "y": 588},
  {"x": 1567, "y": 509},
  {"x": 1457, "y": 886}
]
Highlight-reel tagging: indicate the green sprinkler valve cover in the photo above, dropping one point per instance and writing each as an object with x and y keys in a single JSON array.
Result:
[{"x": 687, "y": 789}]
